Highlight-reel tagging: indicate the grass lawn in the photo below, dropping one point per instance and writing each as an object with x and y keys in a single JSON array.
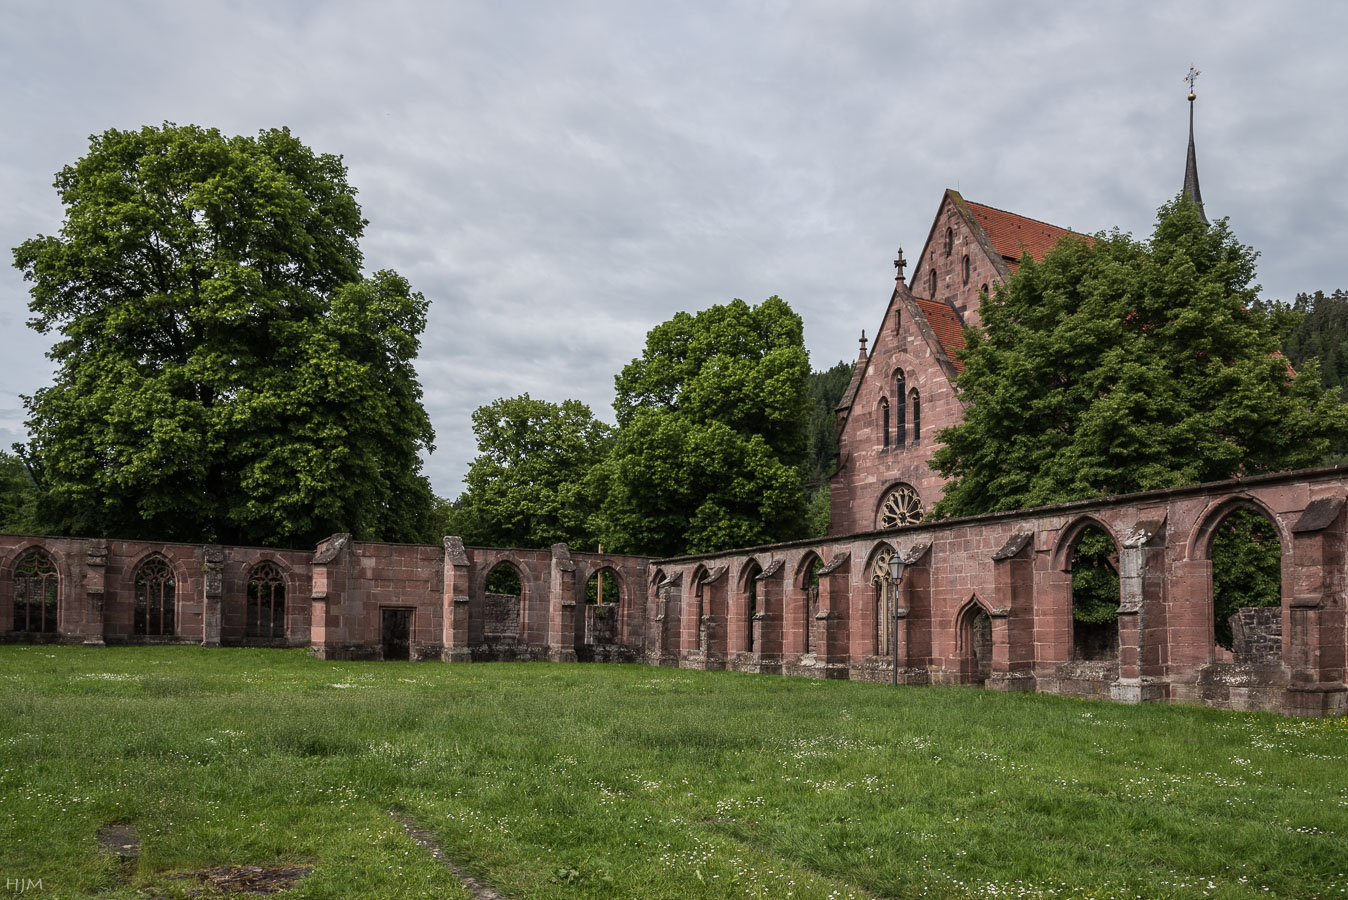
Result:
[{"x": 627, "y": 781}]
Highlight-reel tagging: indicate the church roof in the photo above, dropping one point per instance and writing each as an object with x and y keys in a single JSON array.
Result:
[
  {"x": 945, "y": 322},
  {"x": 1012, "y": 236}
]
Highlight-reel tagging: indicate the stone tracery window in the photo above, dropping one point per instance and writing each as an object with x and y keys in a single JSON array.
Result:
[
  {"x": 902, "y": 506},
  {"x": 266, "y": 602},
  {"x": 884, "y": 601},
  {"x": 37, "y": 593},
  {"x": 155, "y": 593}
]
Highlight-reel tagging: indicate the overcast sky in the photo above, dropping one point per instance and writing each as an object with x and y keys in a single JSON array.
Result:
[{"x": 558, "y": 178}]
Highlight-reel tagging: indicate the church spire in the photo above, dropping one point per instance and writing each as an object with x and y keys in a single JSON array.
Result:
[{"x": 1191, "y": 189}]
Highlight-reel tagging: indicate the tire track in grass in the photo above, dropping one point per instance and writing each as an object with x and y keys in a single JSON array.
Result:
[{"x": 423, "y": 837}]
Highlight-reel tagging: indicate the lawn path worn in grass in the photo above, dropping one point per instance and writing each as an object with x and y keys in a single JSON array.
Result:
[{"x": 562, "y": 781}]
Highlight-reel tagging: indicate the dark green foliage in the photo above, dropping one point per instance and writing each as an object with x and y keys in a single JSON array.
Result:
[
  {"x": 826, "y": 390},
  {"x": 18, "y": 496},
  {"x": 1317, "y": 329},
  {"x": 1246, "y": 568},
  {"x": 527, "y": 485},
  {"x": 504, "y": 579},
  {"x": 610, "y": 594},
  {"x": 1117, "y": 366},
  {"x": 225, "y": 373},
  {"x": 1095, "y": 579},
  {"x": 713, "y": 420}
]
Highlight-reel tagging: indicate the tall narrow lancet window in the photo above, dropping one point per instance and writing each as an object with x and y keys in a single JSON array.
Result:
[
  {"x": 154, "y": 597},
  {"x": 266, "y": 602},
  {"x": 949, "y": 241},
  {"x": 884, "y": 420},
  {"x": 917, "y": 418},
  {"x": 900, "y": 397},
  {"x": 933, "y": 285},
  {"x": 37, "y": 593},
  {"x": 966, "y": 268}
]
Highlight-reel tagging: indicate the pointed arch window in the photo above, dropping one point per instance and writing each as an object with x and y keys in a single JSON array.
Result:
[
  {"x": 266, "y": 602},
  {"x": 884, "y": 421},
  {"x": 900, "y": 397},
  {"x": 949, "y": 241},
  {"x": 933, "y": 285},
  {"x": 37, "y": 593},
  {"x": 155, "y": 594},
  {"x": 917, "y": 417},
  {"x": 966, "y": 268}
]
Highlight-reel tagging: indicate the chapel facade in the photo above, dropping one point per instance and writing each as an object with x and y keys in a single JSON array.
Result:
[{"x": 902, "y": 392}]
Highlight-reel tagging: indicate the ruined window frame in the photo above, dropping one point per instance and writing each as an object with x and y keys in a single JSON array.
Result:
[
  {"x": 36, "y": 565},
  {"x": 265, "y": 575},
  {"x": 155, "y": 580}
]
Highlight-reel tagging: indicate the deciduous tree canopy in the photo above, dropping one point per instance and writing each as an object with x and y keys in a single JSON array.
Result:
[
  {"x": 713, "y": 423},
  {"x": 1116, "y": 365},
  {"x": 225, "y": 373},
  {"x": 527, "y": 485}
]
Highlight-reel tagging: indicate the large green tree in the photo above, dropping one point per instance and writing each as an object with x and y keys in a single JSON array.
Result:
[
  {"x": 527, "y": 485},
  {"x": 1116, "y": 365},
  {"x": 224, "y": 370},
  {"x": 713, "y": 425}
]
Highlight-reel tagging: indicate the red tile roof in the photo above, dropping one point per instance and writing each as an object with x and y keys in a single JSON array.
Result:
[
  {"x": 946, "y": 323},
  {"x": 1014, "y": 235}
]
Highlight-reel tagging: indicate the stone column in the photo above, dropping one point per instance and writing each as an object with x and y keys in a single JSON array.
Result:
[
  {"x": 327, "y": 624},
  {"x": 562, "y": 606},
  {"x": 831, "y": 621},
  {"x": 1314, "y": 641},
  {"x": 212, "y": 594},
  {"x": 1012, "y": 615},
  {"x": 1141, "y": 587},
  {"x": 95, "y": 564},
  {"x": 456, "y": 605}
]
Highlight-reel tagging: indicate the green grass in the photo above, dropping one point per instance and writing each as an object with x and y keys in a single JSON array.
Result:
[{"x": 628, "y": 781}]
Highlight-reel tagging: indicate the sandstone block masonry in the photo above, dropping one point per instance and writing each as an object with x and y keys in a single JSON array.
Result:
[{"x": 984, "y": 600}]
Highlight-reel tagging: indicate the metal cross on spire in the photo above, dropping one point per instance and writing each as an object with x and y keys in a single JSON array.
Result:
[{"x": 1191, "y": 78}]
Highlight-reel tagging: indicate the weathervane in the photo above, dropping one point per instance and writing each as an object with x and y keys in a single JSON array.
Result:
[{"x": 1191, "y": 78}]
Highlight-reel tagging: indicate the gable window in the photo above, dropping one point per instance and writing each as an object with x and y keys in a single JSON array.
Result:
[
  {"x": 900, "y": 397},
  {"x": 966, "y": 268},
  {"x": 933, "y": 285},
  {"x": 884, "y": 421},
  {"x": 898, "y": 321},
  {"x": 37, "y": 593},
  {"x": 917, "y": 417},
  {"x": 984, "y": 290},
  {"x": 154, "y": 597},
  {"x": 949, "y": 241}
]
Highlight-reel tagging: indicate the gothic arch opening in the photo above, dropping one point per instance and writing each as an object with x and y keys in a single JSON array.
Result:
[
  {"x": 155, "y": 597},
  {"x": 1094, "y": 564},
  {"x": 503, "y": 603},
  {"x": 1245, "y": 591},
  {"x": 973, "y": 642},
  {"x": 885, "y": 623},
  {"x": 750, "y": 604},
  {"x": 602, "y": 588},
  {"x": 37, "y": 593},
  {"x": 810, "y": 568},
  {"x": 266, "y": 613}
]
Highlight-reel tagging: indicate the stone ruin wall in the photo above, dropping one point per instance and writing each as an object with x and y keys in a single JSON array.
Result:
[{"x": 985, "y": 600}]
